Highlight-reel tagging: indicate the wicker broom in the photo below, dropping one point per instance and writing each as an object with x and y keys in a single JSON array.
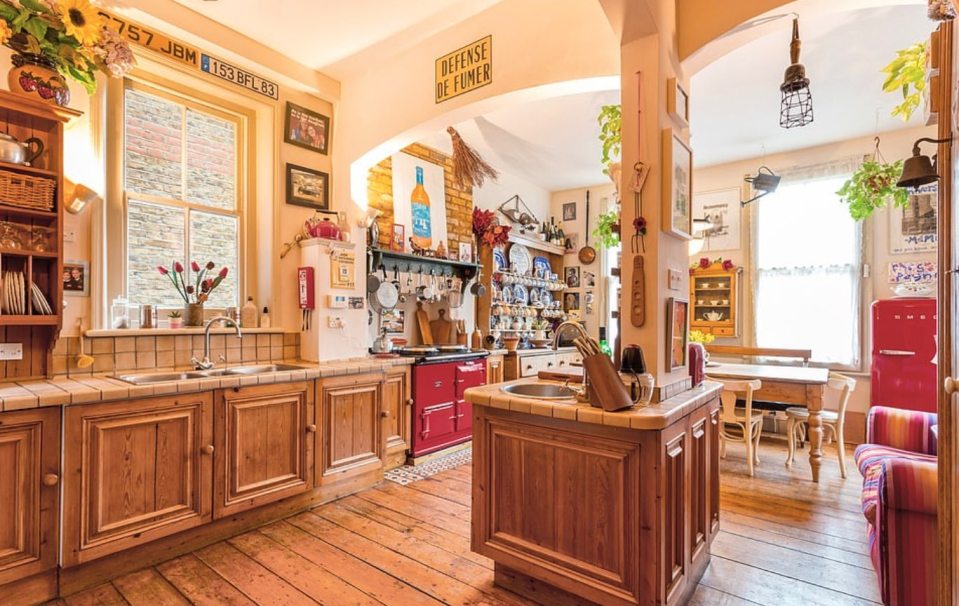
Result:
[{"x": 469, "y": 169}]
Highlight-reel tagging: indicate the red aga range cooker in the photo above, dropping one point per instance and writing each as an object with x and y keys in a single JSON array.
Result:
[{"x": 441, "y": 417}]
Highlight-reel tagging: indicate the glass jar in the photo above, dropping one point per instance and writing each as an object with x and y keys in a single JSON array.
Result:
[{"x": 120, "y": 313}]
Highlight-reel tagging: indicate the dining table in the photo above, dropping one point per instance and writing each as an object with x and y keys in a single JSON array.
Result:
[{"x": 795, "y": 385}]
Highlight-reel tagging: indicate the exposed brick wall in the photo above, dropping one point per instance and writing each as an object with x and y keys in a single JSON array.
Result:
[{"x": 459, "y": 200}]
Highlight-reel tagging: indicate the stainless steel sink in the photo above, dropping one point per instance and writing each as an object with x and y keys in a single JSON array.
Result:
[
  {"x": 540, "y": 391},
  {"x": 258, "y": 369},
  {"x": 163, "y": 377}
]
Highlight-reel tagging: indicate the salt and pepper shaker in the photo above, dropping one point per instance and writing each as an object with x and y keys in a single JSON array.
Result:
[{"x": 147, "y": 316}]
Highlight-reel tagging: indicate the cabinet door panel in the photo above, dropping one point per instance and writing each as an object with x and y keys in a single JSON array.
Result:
[
  {"x": 698, "y": 484},
  {"x": 29, "y": 455},
  {"x": 397, "y": 425},
  {"x": 263, "y": 449},
  {"x": 674, "y": 502},
  {"x": 352, "y": 434},
  {"x": 137, "y": 472},
  {"x": 713, "y": 435}
]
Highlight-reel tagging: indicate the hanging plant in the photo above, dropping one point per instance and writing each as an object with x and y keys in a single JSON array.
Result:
[
  {"x": 607, "y": 229},
  {"x": 907, "y": 73},
  {"x": 872, "y": 186},
  {"x": 610, "y": 133}
]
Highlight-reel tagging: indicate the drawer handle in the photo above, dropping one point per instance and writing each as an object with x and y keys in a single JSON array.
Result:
[
  {"x": 562, "y": 362},
  {"x": 549, "y": 365},
  {"x": 438, "y": 384},
  {"x": 529, "y": 367},
  {"x": 207, "y": 450},
  {"x": 311, "y": 428},
  {"x": 51, "y": 479},
  {"x": 385, "y": 414},
  {"x": 409, "y": 402}
]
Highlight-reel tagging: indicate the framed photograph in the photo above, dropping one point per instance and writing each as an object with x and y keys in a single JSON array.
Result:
[
  {"x": 677, "y": 331},
  {"x": 76, "y": 278},
  {"x": 569, "y": 211},
  {"x": 589, "y": 279},
  {"x": 393, "y": 321},
  {"x": 677, "y": 186},
  {"x": 571, "y": 301},
  {"x": 357, "y": 302},
  {"x": 912, "y": 228},
  {"x": 571, "y": 277},
  {"x": 572, "y": 244},
  {"x": 677, "y": 102},
  {"x": 398, "y": 238},
  {"x": 466, "y": 252},
  {"x": 306, "y": 128},
  {"x": 588, "y": 300},
  {"x": 724, "y": 211},
  {"x": 307, "y": 187}
]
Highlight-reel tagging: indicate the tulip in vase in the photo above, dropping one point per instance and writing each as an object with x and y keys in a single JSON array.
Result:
[{"x": 196, "y": 294}]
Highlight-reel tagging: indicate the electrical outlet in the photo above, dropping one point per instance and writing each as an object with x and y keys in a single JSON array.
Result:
[
  {"x": 69, "y": 235},
  {"x": 11, "y": 351}
]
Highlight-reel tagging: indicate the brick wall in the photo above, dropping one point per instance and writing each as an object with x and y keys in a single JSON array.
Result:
[{"x": 459, "y": 201}]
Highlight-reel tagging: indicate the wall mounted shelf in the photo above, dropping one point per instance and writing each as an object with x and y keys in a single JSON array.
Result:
[{"x": 410, "y": 263}]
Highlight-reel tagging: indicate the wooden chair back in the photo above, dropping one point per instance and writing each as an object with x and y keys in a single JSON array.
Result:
[
  {"x": 732, "y": 389},
  {"x": 758, "y": 352},
  {"x": 845, "y": 386}
]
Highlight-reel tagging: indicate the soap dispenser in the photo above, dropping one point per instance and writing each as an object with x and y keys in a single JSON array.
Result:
[{"x": 248, "y": 314}]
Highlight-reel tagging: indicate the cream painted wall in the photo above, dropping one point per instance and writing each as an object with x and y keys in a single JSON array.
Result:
[
  {"x": 493, "y": 194},
  {"x": 895, "y": 145},
  {"x": 602, "y": 197}
]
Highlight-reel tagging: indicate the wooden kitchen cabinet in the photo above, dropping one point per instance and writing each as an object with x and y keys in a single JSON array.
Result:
[
  {"x": 264, "y": 445},
  {"x": 714, "y": 300},
  {"x": 350, "y": 446},
  {"x": 494, "y": 370},
  {"x": 29, "y": 495},
  {"x": 397, "y": 422},
  {"x": 135, "y": 471}
]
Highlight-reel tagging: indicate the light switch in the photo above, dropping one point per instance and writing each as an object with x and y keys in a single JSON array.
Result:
[
  {"x": 11, "y": 351},
  {"x": 70, "y": 235}
]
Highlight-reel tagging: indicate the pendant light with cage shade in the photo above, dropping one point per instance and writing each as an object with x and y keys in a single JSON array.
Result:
[{"x": 796, "y": 109}]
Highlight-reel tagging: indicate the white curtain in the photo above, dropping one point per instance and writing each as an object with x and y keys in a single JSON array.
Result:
[{"x": 807, "y": 266}]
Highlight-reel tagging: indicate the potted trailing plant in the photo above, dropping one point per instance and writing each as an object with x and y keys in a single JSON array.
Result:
[
  {"x": 57, "y": 40},
  {"x": 872, "y": 186},
  {"x": 607, "y": 229},
  {"x": 907, "y": 73},
  {"x": 175, "y": 318},
  {"x": 610, "y": 135},
  {"x": 196, "y": 294}
]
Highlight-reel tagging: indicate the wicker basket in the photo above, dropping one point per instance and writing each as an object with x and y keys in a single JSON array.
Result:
[{"x": 26, "y": 191}]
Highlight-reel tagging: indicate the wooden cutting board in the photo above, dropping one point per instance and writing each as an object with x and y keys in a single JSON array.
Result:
[
  {"x": 442, "y": 329},
  {"x": 423, "y": 321}
]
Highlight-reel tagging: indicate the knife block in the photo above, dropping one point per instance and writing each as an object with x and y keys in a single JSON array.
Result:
[{"x": 606, "y": 388}]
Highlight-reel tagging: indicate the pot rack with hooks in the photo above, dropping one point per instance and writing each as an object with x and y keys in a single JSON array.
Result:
[{"x": 417, "y": 264}]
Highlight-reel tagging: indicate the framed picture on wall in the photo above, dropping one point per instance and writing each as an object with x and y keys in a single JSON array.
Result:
[
  {"x": 722, "y": 209},
  {"x": 393, "y": 321},
  {"x": 571, "y": 276},
  {"x": 677, "y": 185},
  {"x": 398, "y": 238},
  {"x": 913, "y": 227},
  {"x": 677, "y": 331},
  {"x": 307, "y": 187},
  {"x": 306, "y": 128},
  {"x": 677, "y": 102},
  {"x": 76, "y": 278},
  {"x": 571, "y": 301},
  {"x": 569, "y": 211}
]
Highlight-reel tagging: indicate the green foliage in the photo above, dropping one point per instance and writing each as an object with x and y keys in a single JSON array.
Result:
[
  {"x": 606, "y": 236},
  {"x": 907, "y": 73},
  {"x": 871, "y": 187},
  {"x": 610, "y": 127}
]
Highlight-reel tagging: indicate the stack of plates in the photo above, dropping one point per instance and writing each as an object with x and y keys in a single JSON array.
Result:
[
  {"x": 14, "y": 296},
  {"x": 40, "y": 303}
]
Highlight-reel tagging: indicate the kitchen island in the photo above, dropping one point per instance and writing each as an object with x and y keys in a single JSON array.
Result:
[{"x": 578, "y": 505}]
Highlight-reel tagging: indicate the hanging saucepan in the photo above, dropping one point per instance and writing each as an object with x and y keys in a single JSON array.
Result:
[
  {"x": 386, "y": 295},
  {"x": 477, "y": 288},
  {"x": 396, "y": 283},
  {"x": 587, "y": 254},
  {"x": 372, "y": 280}
]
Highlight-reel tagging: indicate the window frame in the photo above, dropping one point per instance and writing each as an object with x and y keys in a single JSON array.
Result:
[
  {"x": 118, "y": 197},
  {"x": 864, "y": 234}
]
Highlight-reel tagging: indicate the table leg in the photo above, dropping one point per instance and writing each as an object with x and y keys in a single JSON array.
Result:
[{"x": 814, "y": 394}]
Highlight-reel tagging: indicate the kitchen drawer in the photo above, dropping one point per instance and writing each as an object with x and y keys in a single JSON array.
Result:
[
  {"x": 566, "y": 360},
  {"x": 530, "y": 366},
  {"x": 469, "y": 374},
  {"x": 722, "y": 331}
]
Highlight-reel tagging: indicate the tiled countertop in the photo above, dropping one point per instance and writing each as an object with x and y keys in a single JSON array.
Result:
[
  {"x": 655, "y": 416},
  {"x": 64, "y": 391}
]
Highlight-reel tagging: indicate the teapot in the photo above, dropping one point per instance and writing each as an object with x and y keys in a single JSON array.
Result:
[
  {"x": 382, "y": 344},
  {"x": 15, "y": 152},
  {"x": 714, "y": 316}
]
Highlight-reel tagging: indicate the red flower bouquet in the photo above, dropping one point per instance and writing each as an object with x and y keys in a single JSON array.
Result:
[{"x": 488, "y": 230}]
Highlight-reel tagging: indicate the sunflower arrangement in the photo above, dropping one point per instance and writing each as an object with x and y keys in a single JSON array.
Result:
[{"x": 69, "y": 34}]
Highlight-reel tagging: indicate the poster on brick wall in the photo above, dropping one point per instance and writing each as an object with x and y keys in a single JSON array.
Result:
[
  {"x": 419, "y": 200},
  {"x": 912, "y": 228}
]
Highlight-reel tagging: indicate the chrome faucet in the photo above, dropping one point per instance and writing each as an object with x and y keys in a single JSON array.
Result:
[
  {"x": 206, "y": 363},
  {"x": 583, "y": 394}
]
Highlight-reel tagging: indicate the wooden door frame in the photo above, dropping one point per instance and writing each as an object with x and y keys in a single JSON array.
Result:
[{"x": 948, "y": 506}]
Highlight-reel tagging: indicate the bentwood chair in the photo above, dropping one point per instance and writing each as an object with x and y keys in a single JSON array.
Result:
[
  {"x": 749, "y": 421},
  {"x": 833, "y": 422}
]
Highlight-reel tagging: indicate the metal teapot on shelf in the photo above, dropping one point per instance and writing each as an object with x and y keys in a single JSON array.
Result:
[{"x": 17, "y": 152}]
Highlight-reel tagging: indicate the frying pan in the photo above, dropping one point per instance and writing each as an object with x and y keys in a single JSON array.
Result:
[
  {"x": 386, "y": 295},
  {"x": 587, "y": 254}
]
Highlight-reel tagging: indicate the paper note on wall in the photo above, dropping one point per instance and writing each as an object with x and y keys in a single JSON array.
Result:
[{"x": 913, "y": 272}]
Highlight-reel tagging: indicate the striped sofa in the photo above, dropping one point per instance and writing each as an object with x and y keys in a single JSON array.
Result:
[{"x": 898, "y": 465}]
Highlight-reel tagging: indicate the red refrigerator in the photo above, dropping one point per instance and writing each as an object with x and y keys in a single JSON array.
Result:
[{"x": 903, "y": 353}]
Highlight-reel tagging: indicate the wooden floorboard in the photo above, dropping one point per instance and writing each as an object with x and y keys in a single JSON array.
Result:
[{"x": 784, "y": 542}]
